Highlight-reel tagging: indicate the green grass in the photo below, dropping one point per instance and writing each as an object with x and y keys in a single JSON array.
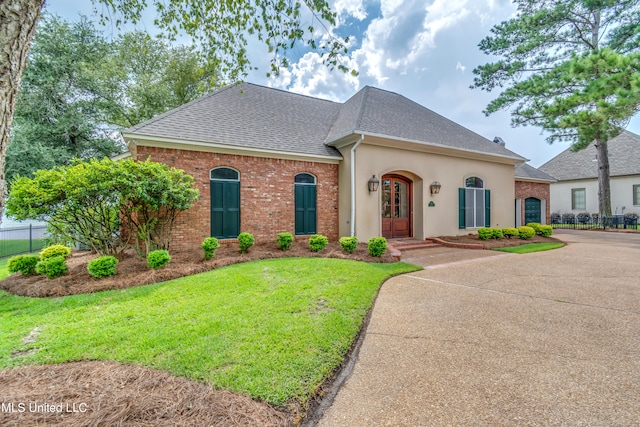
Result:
[
  {"x": 18, "y": 246},
  {"x": 530, "y": 247},
  {"x": 272, "y": 329}
]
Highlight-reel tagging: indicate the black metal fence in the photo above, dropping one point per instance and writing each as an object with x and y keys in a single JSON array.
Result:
[
  {"x": 594, "y": 221},
  {"x": 20, "y": 240}
]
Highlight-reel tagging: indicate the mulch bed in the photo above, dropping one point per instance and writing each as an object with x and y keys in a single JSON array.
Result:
[
  {"x": 112, "y": 394},
  {"x": 133, "y": 270},
  {"x": 497, "y": 243}
]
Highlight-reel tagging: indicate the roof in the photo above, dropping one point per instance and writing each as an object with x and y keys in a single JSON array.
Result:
[
  {"x": 252, "y": 116},
  {"x": 525, "y": 171},
  {"x": 624, "y": 159}
]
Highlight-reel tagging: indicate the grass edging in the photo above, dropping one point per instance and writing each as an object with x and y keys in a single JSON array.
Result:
[{"x": 530, "y": 248}]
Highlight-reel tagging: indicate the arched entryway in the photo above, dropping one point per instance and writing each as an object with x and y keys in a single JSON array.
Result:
[
  {"x": 532, "y": 209},
  {"x": 397, "y": 192}
]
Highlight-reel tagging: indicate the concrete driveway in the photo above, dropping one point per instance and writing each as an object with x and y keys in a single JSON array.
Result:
[{"x": 544, "y": 339}]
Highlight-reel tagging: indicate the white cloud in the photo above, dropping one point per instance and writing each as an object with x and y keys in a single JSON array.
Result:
[
  {"x": 460, "y": 67},
  {"x": 350, "y": 8}
]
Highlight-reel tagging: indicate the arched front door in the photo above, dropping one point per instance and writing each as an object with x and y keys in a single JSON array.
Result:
[
  {"x": 396, "y": 206},
  {"x": 532, "y": 210}
]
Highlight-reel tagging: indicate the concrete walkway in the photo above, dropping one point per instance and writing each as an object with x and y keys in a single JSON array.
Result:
[{"x": 544, "y": 339}]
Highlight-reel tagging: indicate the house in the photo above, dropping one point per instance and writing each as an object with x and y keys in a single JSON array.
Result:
[
  {"x": 267, "y": 161},
  {"x": 576, "y": 189},
  {"x": 533, "y": 195}
]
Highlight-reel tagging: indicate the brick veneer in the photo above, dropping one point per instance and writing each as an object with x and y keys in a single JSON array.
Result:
[
  {"x": 266, "y": 193},
  {"x": 539, "y": 190}
]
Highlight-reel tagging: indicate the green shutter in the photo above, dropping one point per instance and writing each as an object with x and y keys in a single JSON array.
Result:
[
  {"x": 225, "y": 209},
  {"x": 305, "y": 209},
  {"x": 487, "y": 208},
  {"x": 461, "y": 205}
]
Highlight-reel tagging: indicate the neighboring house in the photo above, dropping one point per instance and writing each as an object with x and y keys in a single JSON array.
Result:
[
  {"x": 268, "y": 161},
  {"x": 532, "y": 195},
  {"x": 576, "y": 189}
]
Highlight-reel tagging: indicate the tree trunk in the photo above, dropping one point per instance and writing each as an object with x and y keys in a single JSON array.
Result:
[
  {"x": 18, "y": 20},
  {"x": 604, "y": 187}
]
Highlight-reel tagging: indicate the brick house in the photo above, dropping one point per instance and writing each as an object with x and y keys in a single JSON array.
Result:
[
  {"x": 533, "y": 195},
  {"x": 267, "y": 161}
]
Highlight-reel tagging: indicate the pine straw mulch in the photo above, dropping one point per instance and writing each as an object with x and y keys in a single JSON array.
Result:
[
  {"x": 133, "y": 270},
  {"x": 498, "y": 243},
  {"x": 113, "y": 394},
  {"x": 119, "y": 394}
]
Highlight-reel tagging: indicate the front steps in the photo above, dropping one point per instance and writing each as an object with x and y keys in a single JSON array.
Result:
[{"x": 411, "y": 244}]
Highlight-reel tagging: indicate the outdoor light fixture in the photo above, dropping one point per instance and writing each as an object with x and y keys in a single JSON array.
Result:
[
  {"x": 374, "y": 183},
  {"x": 435, "y": 187}
]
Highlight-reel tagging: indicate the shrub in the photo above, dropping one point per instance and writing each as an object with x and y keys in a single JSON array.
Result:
[
  {"x": 485, "y": 233},
  {"x": 209, "y": 246},
  {"x": 318, "y": 242},
  {"x": 509, "y": 232},
  {"x": 535, "y": 225},
  {"x": 526, "y": 232},
  {"x": 25, "y": 264},
  {"x": 246, "y": 241},
  {"x": 568, "y": 218},
  {"x": 158, "y": 259},
  {"x": 55, "y": 250},
  {"x": 545, "y": 230},
  {"x": 103, "y": 266},
  {"x": 377, "y": 246},
  {"x": 349, "y": 244},
  {"x": 496, "y": 233},
  {"x": 583, "y": 217},
  {"x": 284, "y": 240},
  {"x": 52, "y": 267}
]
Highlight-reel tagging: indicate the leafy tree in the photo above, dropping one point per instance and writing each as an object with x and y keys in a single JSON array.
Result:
[
  {"x": 57, "y": 117},
  {"x": 571, "y": 67},
  {"x": 91, "y": 201},
  {"x": 219, "y": 28}
]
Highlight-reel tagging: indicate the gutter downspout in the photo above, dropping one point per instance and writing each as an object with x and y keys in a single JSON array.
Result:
[{"x": 353, "y": 185}]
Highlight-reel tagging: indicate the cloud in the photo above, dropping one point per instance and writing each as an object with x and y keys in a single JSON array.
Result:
[
  {"x": 460, "y": 67},
  {"x": 350, "y": 8}
]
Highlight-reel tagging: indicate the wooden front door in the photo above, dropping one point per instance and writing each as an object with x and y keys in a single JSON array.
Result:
[{"x": 396, "y": 206}]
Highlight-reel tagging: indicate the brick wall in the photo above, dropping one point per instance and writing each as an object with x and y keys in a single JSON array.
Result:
[
  {"x": 266, "y": 193},
  {"x": 539, "y": 190}
]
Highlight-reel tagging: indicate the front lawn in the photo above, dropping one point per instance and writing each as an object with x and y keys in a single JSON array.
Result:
[{"x": 272, "y": 329}]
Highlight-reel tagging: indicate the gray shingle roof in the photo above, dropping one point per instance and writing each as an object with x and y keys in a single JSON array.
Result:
[
  {"x": 252, "y": 116},
  {"x": 526, "y": 171},
  {"x": 624, "y": 159}
]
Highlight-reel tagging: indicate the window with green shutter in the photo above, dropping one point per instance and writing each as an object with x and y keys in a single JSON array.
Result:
[
  {"x": 474, "y": 204},
  {"x": 225, "y": 203},
  {"x": 305, "y": 204}
]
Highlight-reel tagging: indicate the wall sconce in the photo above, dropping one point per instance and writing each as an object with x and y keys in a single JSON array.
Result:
[
  {"x": 435, "y": 187},
  {"x": 373, "y": 183}
]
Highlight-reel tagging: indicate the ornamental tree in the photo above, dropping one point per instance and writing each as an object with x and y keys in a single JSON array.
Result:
[{"x": 570, "y": 67}]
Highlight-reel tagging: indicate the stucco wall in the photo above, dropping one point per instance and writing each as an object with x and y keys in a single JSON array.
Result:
[
  {"x": 621, "y": 195},
  {"x": 423, "y": 168},
  {"x": 539, "y": 190},
  {"x": 266, "y": 193}
]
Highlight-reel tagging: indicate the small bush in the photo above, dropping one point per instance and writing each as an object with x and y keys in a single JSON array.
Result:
[
  {"x": 349, "y": 244},
  {"x": 55, "y": 250},
  {"x": 318, "y": 242},
  {"x": 52, "y": 267},
  {"x": 103, "y": 266},
  {"x": 546, "y": 230},
  {"x": 583, "y": 217},
  {"x": 485, "y": 233},
  {"x": 245, "y": 240},
  {"x": 510, "y": 232},
  {"x": 158, "y": 259},
  {"x": 284, "y": 240},
  {"x": 25, "y": 264},
  {"x": 209, "y": 246},
  {"x": 377, "y": 246},
  {"x": 496, "y": 233},
  {"x": 526, "y": 232},
  {"x": 535, "y": 225}
]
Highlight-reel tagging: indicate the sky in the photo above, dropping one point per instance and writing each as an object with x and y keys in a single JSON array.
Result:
[{"x": 424, "y": 50}]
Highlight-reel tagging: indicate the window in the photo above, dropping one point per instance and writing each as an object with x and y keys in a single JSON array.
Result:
[
  {"x": 226, "y": 174},
  {"x": 578, "y": 199},
  {"x": 636, "y": 195},
  {"x": 474, "y": 204},
  {"x": 305, "y": 203}
]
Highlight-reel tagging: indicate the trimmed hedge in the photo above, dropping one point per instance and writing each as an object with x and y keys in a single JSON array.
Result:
[
  {"x": 318, "y": 242},
  {"x": 158, "y": 259},
  {"x": 349, "y": 244},
  {"x": 25, "y": 264},
  {"x": 377, "y": 246},
  {"x": 510, "y": 232},
  {"x": 284, "y": 240},
  {"x": 526, "y": 232},
  {"x": 245, "y": 240},
  {"x": 541, "y": 230},
  {"x": 489, "y": 233},
  {"x": 103, "y": 266},
  {"x": 55, "y": 250},
  {"x": 209, "y": 246},
  {"x": 52, "y": 267}
]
